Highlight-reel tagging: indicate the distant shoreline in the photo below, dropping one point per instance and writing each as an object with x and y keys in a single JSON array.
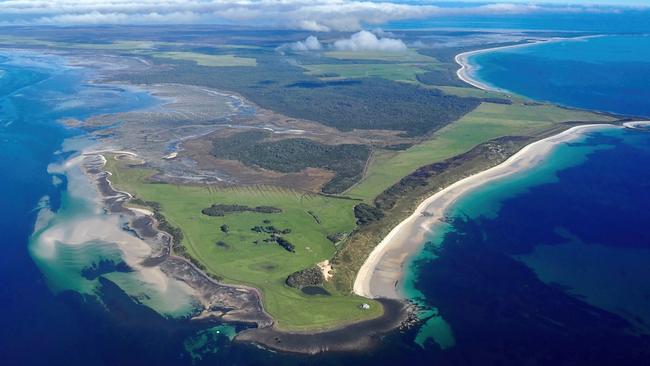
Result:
[
  {"x": 466, "y": 69},
  {"x": 381, "y": 274}
]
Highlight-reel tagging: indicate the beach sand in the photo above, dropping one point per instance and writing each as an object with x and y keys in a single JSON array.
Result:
[{"x": 382, "y": 271}]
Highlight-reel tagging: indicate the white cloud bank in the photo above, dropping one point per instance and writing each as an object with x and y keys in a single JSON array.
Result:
[
  {"x": 312, "y": 15},
  {"x": 311, "y": 43},
  {"x": 367, "y": 41}
]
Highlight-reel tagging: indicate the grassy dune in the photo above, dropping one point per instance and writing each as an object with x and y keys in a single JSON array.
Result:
[
  {"x": 264, "y": 266},
  {"x": 487, "y": 122}
]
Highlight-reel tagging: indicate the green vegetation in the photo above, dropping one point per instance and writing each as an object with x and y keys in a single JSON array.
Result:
[
  {"x": 311, "y": 276},
  {"x": 284, "y": 243},
  {"x": 296, "y": 154},
  {"x": 390, "y": 71},
  {"x": 221, "y": 210},
  {"x": 487, "y": 122},
  {"x": 440, "y": 77},
  {"x": 208, "y": 60},
  {"x": 410, "y": 55},
  {"x": 265, "y": 267},
  {"x": 222, "y": 244},
  {"x": 270, "y": 229},
  {"x": 411, "y": 190},
  {"x": 376, "y": 103},
  {"x": 366, "y": 214},
  {"x": 366, "y": 103}
]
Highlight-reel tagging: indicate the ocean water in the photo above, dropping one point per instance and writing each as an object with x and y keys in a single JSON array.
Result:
[
  {"x": 50, "y": 313},
  {"x": 608, "y": 73},
  {"x": 552, "y": 259},
  {"x": 632, "y": 20}
]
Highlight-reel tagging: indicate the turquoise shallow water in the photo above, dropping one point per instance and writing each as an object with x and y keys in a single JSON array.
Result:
[
  {"x": 569, "y": 231},
  {"x": 52, "y": 314}
]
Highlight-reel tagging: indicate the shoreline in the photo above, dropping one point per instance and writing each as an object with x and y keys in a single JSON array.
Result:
[
  {"x": 381, "y": 274},
  {"x": 359, "y": 336},
  {"x": 228, "y": 302},
  {"x": 466, "y": 69}
]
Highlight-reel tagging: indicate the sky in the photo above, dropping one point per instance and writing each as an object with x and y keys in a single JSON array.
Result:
[
  {"x": 310, "y": 15},
  {"x": 580, "y": 2}
]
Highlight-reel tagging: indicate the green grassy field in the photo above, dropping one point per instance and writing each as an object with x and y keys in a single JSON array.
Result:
[
  {"x": 390, "y": 71},
  {"x": 487, "y": 122},
  {"x": 208, "y": 60},
  {"x": 395, "y": 66},
  {"x": 126, "y": 45},
  {"x": 264, "y": 266},
  {"x": 410, "y": 55}
]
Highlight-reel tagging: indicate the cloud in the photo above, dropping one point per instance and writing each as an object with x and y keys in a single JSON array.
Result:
[
  {"x": 382, "y": 33},
  {"x": 418, "y": 44},
  {"x": 311, "y": 43},
  {"x": 311, "y": 15},
  {"x": 368, "y": 41}
]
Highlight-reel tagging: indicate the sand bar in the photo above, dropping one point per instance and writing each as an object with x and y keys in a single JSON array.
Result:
[{"x": 382, "y": 271}]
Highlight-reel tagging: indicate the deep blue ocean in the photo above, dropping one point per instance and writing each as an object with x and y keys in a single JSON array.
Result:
[
  {"x": 632, "y": 20},
  {"x": 577, "y": 73},
  {"x": 547, "y": 267}
]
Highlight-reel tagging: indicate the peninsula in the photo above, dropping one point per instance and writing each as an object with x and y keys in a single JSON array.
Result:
[{"x": 283, "y": 189}]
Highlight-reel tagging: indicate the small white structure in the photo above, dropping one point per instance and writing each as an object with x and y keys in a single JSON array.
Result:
[{"x": 364, "y": 306}]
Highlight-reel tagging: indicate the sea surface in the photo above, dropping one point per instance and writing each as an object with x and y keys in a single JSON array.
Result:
[
  {"x": 608, "y": 73},
  {"x": 555, "y": 259},
  {"x": 548, "y": 264},
  {"x": 632, "y": 20}
]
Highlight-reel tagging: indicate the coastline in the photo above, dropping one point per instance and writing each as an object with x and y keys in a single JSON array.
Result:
[
  {"x": 381, "y": 273},
  {"x": 466, "y": 69},
  {"x": 230, "y": 303}
]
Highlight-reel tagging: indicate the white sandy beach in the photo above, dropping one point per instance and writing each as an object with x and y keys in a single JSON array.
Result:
[{"x": 383, "y": 269}]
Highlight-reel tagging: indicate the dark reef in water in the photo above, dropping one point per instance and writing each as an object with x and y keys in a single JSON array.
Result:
[
  {"x": 503, "y": 314},
  {"x": 104, "y": 266}
]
